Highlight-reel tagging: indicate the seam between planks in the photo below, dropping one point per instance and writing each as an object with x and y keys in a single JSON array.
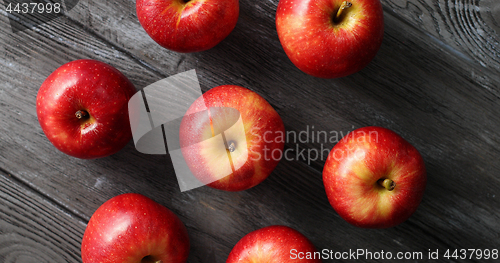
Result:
[
  {"x": 49, "y": 199},
  {"x": 111, "y": 44}
]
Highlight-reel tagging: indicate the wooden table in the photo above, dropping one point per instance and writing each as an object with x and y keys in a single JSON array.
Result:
[{"x": 435, "y": 81}]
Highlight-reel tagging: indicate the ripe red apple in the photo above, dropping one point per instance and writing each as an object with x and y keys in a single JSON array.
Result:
[
  {"x": 237, "y": 144},
  {"x": 374, "y": 178},
  {"x": 131, "y": 228},
  {"x": 188, "y": 25},
  {"x": 82, "y": 108},
  {"x": 274, "y": 244},
  {"x": 330, "y": 38}
]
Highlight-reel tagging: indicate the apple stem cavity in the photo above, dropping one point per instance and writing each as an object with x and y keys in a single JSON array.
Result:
[
  {"x": 82, "y": 114},
  {"x": 342, "y": 7},
  {"x": 150, "y": 259},
  {"x": 387, "y": 184}
]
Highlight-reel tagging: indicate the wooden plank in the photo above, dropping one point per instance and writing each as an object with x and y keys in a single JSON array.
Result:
[
  {"x": 469, "y": 26},
  {"x": 32, "y": 229},
  {"x": 441, "y": 102}
]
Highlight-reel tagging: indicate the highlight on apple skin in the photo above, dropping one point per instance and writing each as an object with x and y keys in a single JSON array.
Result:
[
  {"x": 131, "y": 228},
  {"x": 274, "y": 244},
  {"x": 330, "y": 38},
  {"x": 374, "y": 178},
  {"x": 82, "y": 108},
  {"x": 188, "y": 25},
  {"x": 237, "y": 144}
]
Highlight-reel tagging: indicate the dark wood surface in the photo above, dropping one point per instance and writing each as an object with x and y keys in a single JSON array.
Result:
[{"x": 435, "y": 81}]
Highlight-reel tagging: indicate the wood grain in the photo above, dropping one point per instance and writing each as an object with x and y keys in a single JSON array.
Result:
[
  {"x": 419, "y": 85},
  {"x": 33, "y": 229},
  {"x": 471, "y": 27}
]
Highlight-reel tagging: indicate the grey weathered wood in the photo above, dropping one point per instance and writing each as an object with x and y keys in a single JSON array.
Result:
[
  {"x": 32, "y": 229},
  {"x": 471, "y": 27},
  {"x": 442, "y": 101}
]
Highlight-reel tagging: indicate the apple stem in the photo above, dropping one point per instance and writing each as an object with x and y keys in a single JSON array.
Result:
[
  {"x": 387, "y": 184},
  {"x": 82, "y": 114},
  {"x": 232, "y": 146},
  {"x": 342, "y": 7}
]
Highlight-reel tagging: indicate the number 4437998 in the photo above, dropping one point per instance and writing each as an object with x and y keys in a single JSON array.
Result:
[
  {"x": 32, "y": 8},
  {"x": 471, "y": 253}
]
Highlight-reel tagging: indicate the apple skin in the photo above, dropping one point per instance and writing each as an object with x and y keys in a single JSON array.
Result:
[
  {"x": 326, "y": 49},
  {"x": 356, "y": 164},
  {"x": 272, "y": 244},
  {"x": 191, "y": 26},
  {"x": 96, "y": 88},
  {"x": 129, "y": 228},
  {"x": 252, "y": 160}
]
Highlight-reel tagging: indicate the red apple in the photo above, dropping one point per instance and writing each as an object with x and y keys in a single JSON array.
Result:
[
  {"x": 131, "y": 228},
  {"x": 274, "y": 244},
  {"x": 188, "y": 25},
  {"x": 330, "y": 38},
  {"x": 82, "y": 108},
  {"x": 237, "y": 144},
  {"x": 374, "y": 178}
]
